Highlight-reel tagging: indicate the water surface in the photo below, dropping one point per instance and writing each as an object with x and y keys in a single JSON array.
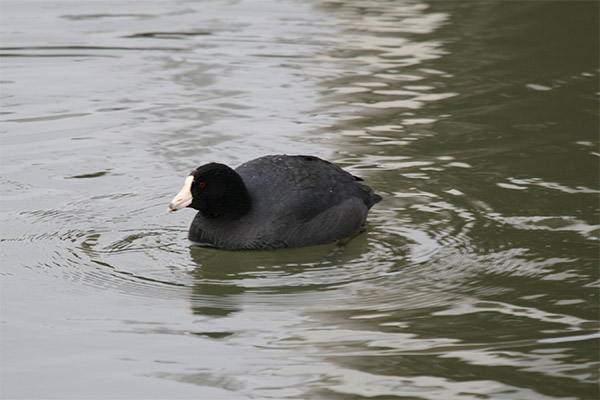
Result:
[{"x": 477, "y": 123}]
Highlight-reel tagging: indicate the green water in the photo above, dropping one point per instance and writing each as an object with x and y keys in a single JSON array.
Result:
[{"x": 476, "y": 121}]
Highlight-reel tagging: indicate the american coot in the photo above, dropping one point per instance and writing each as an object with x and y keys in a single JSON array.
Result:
[{"x": 273, "y": 202}]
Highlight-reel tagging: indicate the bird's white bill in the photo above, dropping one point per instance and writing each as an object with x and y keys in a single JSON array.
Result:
[{"x": 184, "y": 197}]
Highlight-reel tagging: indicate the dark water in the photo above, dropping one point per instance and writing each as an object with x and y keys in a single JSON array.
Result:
[{"x": 477, "y": 122}]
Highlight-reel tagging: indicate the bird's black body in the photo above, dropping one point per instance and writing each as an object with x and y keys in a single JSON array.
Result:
[{"x": 280, "y": 201}]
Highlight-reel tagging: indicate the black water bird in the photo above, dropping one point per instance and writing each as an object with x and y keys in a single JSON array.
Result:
[{"x": 273, "y": 202}]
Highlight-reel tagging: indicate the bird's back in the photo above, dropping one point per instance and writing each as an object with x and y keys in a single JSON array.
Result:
[{"x": 303, "y": 199}]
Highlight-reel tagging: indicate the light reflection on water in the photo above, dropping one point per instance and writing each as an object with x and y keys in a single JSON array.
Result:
[{"x": 477, "y": 276}]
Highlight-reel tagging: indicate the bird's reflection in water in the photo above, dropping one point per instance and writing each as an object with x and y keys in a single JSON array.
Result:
[{"x": 223, "y": 279}]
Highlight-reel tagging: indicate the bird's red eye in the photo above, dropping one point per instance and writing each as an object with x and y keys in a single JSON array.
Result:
[{"x": 202, "y": 185}]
